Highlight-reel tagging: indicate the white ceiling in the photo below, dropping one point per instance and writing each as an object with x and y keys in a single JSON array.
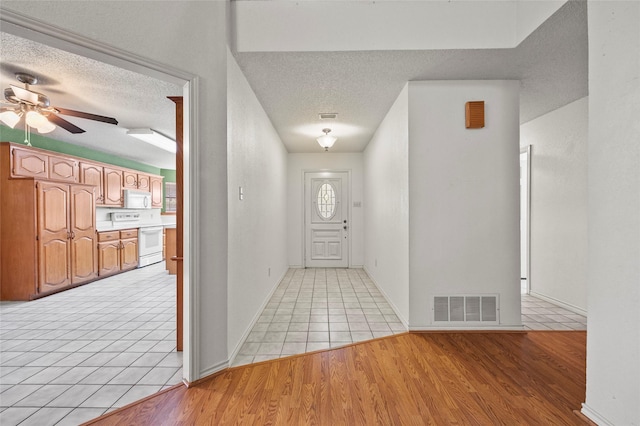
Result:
[
  {"x": 75, "y": 82},
  {"x": 294, "y": 87}
]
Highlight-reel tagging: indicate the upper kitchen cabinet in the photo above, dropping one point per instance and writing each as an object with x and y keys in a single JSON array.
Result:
[
  {"x": 32, "y": 162},
  {"x": 134, "y": 180},
  {"x": 93, "y": 174},
  {"x": 113, "y": 184},
  {"x": 155, "y": 187},
  {"x": 29, "y": 163},
  {"x": 63, "y": 169}
]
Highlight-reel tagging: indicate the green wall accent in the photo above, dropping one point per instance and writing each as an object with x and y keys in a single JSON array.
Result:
[{"x": 8, "y": 134}]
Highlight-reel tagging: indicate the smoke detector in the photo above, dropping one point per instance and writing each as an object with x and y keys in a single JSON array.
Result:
[{"x": 328, "y": 115}]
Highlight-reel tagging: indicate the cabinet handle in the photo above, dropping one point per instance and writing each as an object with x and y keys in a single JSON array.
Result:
[
  {"x": 73, "y": 235},
  {"x": 68, "y": 235}
]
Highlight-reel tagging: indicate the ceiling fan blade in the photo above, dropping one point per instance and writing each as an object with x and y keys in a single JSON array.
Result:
[
  {"x": 61, "y": 122},
  {"x": 87, "y": 115}
]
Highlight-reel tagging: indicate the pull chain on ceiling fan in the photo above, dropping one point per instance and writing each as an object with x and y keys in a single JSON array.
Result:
[{"x": 37, "y": 110}]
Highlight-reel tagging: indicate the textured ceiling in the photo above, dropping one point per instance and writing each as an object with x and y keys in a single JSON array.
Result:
[
  {"x": 294, "y": 87},
  {"x": 75, "y": 82}
]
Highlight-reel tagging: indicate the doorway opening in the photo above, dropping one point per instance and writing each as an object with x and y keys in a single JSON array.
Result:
[{"x": 57, "y": 38}]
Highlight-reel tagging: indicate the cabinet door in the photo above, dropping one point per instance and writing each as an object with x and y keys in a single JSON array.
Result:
[
  {"x": 113, "y": 187},
  {"x": 84, "y": 261},
  {"x": 53, "y": 236},
  {"x": 92, "y": 174},
  {"x": 143, "y": 182},
  {"x": 108, "y": 258},
  {"x": 156, "y": 191},
  {"x": 129, "y": 180},
  {"x": 129, "y": 254},
  {"x": 64, "y": 169},
  {"x": 28, "y": 163}
]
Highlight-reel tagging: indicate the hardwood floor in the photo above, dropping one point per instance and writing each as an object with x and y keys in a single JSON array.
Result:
[{"x": 535, "y": 378}]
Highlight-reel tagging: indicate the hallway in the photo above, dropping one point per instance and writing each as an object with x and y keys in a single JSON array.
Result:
[{"x": 316, "y": 308}]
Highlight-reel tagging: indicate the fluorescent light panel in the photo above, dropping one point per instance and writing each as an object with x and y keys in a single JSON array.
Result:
[{"x": 152, "y": 137}]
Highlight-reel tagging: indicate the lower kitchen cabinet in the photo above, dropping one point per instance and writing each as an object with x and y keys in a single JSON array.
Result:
[{"x": 117, "y": 251}]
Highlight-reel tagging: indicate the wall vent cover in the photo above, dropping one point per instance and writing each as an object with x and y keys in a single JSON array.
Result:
[
  {"x": 328, "y": 115},
  {"x": 466, "y": 309}
]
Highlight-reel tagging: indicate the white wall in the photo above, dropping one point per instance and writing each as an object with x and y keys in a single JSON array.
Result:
[
  {"x": 613, "y": 342},
  {"x": 386, "y": 220},
  {"x": 189, "y": 36},
  {"x": 296, "y": 165},
  {"x": 559, "y": 204},
  {"x": 464, "y": 197},
  {"x": 257, "y": 224}
]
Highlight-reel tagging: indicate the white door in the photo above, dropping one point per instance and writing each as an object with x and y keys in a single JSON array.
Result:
[
  {"x": 326, "y": 219},
  {"x": 525, "y": 188}
]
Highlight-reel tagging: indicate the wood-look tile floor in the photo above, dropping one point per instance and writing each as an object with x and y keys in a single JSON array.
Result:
[{"x": 534, "y": 378}]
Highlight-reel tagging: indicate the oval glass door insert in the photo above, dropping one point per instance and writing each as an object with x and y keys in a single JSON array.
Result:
[{"x": 326, "y": 201}]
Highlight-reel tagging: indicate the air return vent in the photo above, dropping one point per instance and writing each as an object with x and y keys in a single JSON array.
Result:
[
  {"x": 328, "y": 115},
  {"x": 466, "y": 309}
]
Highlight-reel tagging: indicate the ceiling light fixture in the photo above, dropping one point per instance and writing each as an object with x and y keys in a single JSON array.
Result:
[
  {"x": 10, "y": 117},
  {"x": 152, "y": 137},
  {"x": 326, "y": 141},
  {"x": 38, "y": 121}
]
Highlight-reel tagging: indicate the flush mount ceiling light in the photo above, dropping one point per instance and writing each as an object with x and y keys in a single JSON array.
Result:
[
  {"x": 326, "y": 141},
  {"x": 152, "y": 137}
]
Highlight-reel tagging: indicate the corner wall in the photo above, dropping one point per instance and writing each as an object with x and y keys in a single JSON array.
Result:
[
  {"x": 464, "y": 197},
  {"x": 257, "y": 162},
  {"x": 559, "y": 204},
  {"x": 613, "y": 324},
  {"x": 386, "y": 202},
  {"x": 296, "y": 165}
]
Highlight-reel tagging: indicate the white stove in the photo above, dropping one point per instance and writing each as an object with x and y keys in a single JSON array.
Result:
[{"x": 149, "y": 236}]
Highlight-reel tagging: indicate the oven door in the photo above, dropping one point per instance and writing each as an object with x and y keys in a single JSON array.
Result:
[{"x": 150, "y": 241}]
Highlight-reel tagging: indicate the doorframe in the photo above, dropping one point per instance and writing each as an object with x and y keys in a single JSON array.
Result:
[
  {"x": 304, "y": 211},
  {"x": 42, "y": 32},
  {"x": 527, "y": 215}
]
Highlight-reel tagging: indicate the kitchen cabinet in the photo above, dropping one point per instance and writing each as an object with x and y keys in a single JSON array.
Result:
[
  {"x": 134, "y": 180},
  {"x": 26, "y": 162},
  {"x": 32, "y": 162},
  {"x": 93, "y": 174},
  {"x": 117, "y": 251},
  {"x": 155, "y": 186},
  {"x": 63, "y": 169},
  {"x": 66, "y": 235},
  {"x": 113, "y": 183}
]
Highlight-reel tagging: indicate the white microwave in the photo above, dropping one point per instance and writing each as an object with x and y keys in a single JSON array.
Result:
[{"x": 137, "y": 199}]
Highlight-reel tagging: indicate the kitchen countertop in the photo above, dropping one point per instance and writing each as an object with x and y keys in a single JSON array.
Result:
[{"x": 109, "y": 226}]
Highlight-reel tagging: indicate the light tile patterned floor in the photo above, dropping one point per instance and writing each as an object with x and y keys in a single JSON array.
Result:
[
  {"x": 72, "y": 356},
  {"x": 315, "y": 309},
  {"x": 538, "y": 314}
]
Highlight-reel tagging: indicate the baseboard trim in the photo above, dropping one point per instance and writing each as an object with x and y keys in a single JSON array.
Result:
[
  {"x": 594, "y": 416},
  {"x": 254, "y": 321},
  {"x": 403, "y": 320},
  {"x": 214, "y": 369},
  {"x": 559, "y": 303}
]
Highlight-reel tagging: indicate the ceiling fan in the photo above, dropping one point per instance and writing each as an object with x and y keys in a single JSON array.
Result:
[{"x": 38, "y": 111}]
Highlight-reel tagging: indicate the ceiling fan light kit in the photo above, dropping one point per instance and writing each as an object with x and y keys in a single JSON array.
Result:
[
  {"x": 326, "y": 141},
  {"x": 10, "y": 117},
  {"x": 152, "y": 137}
]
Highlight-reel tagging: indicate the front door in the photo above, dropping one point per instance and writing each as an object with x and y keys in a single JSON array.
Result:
[{"x": 326, "y": 219}]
